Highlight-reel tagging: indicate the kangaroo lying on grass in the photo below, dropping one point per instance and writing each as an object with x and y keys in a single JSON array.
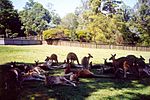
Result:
[
  {"x": 130, "y": 63},
  {"x": 85, "y": 61},
  {"x": 72, "y": 57},
  {"x": 54, "y": 57},
  {"x": 60, "y": 80},
  {"x": 83, "y": 73}
]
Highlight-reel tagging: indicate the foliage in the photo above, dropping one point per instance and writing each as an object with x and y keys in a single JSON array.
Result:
[
  {"x": 102, "y": 28},
  {"x": 56, "y": 20},
  {"x": 142, "y": 22},
  {"x": 34, "y": 17},
  {"x": 84, "y": 35},
  {"x": 9, "y": 20},
  {"x": 69, "y": 21},
  {"x": 51, "y": 33}
]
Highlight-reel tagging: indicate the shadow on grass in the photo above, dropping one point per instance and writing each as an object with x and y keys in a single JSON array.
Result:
[{"x": 92, "y": 88}]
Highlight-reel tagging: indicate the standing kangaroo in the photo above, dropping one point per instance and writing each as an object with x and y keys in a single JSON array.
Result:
[
  {"x": 85, "y": 61},
  {"x": 72, "y": 56}
]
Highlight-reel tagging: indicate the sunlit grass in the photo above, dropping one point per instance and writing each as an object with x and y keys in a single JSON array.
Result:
[{"x": 39, "y": 52}]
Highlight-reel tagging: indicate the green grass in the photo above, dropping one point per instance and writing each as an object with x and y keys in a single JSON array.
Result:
[
  {"x": 30, "y": 53},
  {"x": 88, "y": 89}
]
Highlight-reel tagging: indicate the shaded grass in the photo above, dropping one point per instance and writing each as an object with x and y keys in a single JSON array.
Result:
[{"x": 88, "y": 88}]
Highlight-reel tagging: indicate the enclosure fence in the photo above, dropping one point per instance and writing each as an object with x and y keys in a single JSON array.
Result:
[
  {"x": 94, "y": 45},
  {"x": 19, "y": 41}
]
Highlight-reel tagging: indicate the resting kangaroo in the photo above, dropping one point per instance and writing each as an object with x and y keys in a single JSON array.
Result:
[
  {"x": 85, "y": 61},
  {"x": 72, "y": 56},
  {"x": 53, "y": 57},
  {"x": 120, "y": 63},
  {"x": 130, "y": 63},
  {"x": 83, "y": 73},
  {"x": 58, "y": 80},
  {"x": 107, "y": 63}
]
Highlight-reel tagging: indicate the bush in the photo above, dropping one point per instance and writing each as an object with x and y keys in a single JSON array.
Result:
[{"x": 50, "y": 33}]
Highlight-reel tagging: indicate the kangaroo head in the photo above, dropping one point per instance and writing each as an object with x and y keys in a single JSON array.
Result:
[
  {"x": 47, "y": 58},
  {"x": 13, "y": 64},
  {"x": 36, "y": 62},
  {"x": 90, "y": 56},
  {"x": 142, "y": 58},
  {"x": 112, "y": 57}
]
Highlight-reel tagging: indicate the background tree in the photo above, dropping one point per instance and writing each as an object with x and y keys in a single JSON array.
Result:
[
  {"x": 34, "y": 17},
  {"x": 141, "y": 21},
  {"x": 10, "y": 25},
  {"x": 70, "y": 22}
]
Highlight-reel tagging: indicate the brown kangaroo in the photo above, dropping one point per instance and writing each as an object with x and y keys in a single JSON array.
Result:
[
  {"x": 107, "y": 63},
  {"x": 129, "y": 63},
  {"x": 120, "y": 63},
  {"x": 72, "y": 56},
  {"x": 54, "y": 57},
  {"x": 85, "y": 61},
  {"x": 82, "y": 73}
]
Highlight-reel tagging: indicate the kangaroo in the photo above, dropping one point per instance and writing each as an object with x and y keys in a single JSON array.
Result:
[
  {"x": 129, "y": 63},
  {"x": 107, "y": 63},
  {"x": 53, "y": 57},
  {"x": 85, "y": 61},
  {"x": 12, "y": 79},
  {"x": 83, "y": 73},
  {"x": 60, "y": 80},
  {"x": 120, "y": 63},
  {"x": 72, "y": 56},
  {"x": 138, "y": 64}
]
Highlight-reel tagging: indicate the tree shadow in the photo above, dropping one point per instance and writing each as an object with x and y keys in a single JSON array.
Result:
[{"x": 38, "y": 91}]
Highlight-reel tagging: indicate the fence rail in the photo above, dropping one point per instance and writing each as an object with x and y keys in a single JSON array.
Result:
[
  {"x": 19, "y": 42},
  {"x": 94, "y": 45}
]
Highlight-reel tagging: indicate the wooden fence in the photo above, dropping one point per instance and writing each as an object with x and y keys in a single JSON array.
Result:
[
  {"x": 19, "y": 42},
  {"x": 94, "y": 45}
]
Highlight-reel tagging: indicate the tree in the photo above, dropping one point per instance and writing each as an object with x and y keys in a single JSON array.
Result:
[
  {"x": 34, "y": 17},
  {"x": 141, "y": 21},
  {"x": 9, "y": 20},
  {"x": 70, "y": 22},
  {"x": 100, "y": 27},
  {"x": 56, "y": 20}
]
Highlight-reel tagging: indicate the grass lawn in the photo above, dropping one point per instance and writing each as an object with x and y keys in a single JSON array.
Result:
[
  {"x": 39, "y": 52},
  {"x": 88, "y": 89}
]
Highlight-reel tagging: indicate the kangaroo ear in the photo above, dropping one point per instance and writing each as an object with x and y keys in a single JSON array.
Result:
[
  {"x": 142, "y": 57},
  {"x": 114, "y": 54}
]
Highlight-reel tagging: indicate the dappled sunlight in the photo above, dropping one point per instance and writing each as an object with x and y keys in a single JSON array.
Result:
[{"x": 87, "y": 88}]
